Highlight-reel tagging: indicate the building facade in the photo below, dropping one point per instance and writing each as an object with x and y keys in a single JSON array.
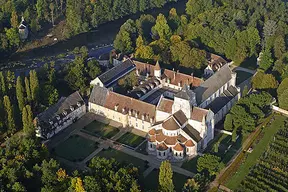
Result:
[{"x": 60, "y": 115}]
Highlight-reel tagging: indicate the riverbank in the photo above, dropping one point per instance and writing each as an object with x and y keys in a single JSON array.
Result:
[{"x": 104, "y": 34}]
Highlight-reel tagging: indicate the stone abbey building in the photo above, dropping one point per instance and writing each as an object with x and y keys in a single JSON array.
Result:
[{"x": 177, "y": 111}]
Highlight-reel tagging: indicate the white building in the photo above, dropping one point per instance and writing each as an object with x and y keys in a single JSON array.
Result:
[
  {"x": 23, "y": 30},
  {"x": 59, "y": 116},
  {"x": 177, "y": 111}
]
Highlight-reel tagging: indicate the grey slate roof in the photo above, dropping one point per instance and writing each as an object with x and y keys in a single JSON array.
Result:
[
  {"x": 64, "y": 103},
  {"x": 211, "y": 85},
  {"x": 193, "y": 133},
  {"x": 180, "y": 117},
  {"x": 184, "y": 93},
  {"x": 224, "y": 98},
  {"x": 98, "y": 95},
  {"x": 112, "y": 75}
]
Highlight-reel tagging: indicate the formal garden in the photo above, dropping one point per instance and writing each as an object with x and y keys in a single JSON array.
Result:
[
  {"x": 99, "y": 129},
  {"x": 75, "y": 148},
  {"x": 131, "y": 139},
  {"x": 123, "y": 158},
  {"x": 266, "y": 166}
]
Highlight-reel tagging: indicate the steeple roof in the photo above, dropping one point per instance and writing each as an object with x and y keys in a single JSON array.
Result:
[{"x": 157, "y": 66}]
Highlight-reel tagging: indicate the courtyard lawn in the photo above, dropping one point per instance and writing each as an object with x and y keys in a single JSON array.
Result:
[
  {"x": 123, "y": 158},
  {"x": 97, "y": 128},
  {"x": 75, "y": 148},
  {"x": 131, "y": 139},
  {"x": 242, "y": 76},
  {"x": 151, "y": 182},
  {"x": 142, "y": 148},
  {"x": 252, "y": 158},
  {"x": 250, "y": 63}
]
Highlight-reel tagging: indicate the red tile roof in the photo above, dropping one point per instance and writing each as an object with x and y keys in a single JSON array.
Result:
[
  {"x": 189, "y": 143},
  {"x": 124, "y": 104},
  {"x": 178, "y": 147},
  {"x": 152, "y": 132},
  {"x": 165, "y": 105},
  {"x": 197, "y": 113},
  {"x": 161, "y": 147},
  {"x": 152, "y": 139},
  {"x": 171, "y": 124},
  {"x": 175, "y": 77}
]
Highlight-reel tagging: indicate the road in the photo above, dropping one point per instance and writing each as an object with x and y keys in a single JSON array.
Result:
[{"x": 94, "y": 52}]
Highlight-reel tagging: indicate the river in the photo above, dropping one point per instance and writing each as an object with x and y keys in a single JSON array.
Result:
[{"x": 104, "y": 34}]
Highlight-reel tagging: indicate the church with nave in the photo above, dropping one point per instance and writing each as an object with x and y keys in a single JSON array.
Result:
[{"x": 177, "y": 111}]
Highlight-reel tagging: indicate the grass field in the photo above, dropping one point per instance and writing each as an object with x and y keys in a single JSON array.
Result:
[
  {"x": 252, "y": 158},
  {"x": 123, "y": 158},
  {"x": 131, "y": 139},
  {"x": 242, "y": 76},
  {"x": 100, "y": 129},
  {"x": 75, "y": 148},
  {"x": 151, "y": 182},
  {"x": 191, "y": 165}
]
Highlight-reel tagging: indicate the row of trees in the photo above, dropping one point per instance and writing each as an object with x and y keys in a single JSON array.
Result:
[{"x": 247, "y": 113}]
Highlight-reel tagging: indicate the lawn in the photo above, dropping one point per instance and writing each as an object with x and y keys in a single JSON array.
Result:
[
  {"x": 242, "y": 76},
  {"x": 131, "y": 139},
  {"x": 151, "y": 182},
  {"x": 252, "y": 158},
  {"x": 123, "y": 158},
  {"x": 100, "y": 129},
  {"x": 142, "y": 148},
  {"x": 75, "y": 148}
]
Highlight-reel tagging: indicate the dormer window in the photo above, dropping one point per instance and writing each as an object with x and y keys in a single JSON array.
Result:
[
  {"x": 51, "y": 122},
  {"x": 64, "y": 113},
  {"x": 116, "y": 107},
  {"x": 78, "y": 104},
  {"x": 58, "y": 117},
  {"x": 71, "y": 108}
]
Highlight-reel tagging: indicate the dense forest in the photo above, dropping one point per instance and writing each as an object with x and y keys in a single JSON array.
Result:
[
  {"x": 79, "y": 16},
  {"x": 238, "y": 30}
]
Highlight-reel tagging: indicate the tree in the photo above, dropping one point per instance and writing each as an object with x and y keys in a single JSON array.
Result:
[
  {"x": 266, "y": 60},
  {"x": 91, "y": 184},
  {"x": 228, "y": 123},
  {"x": 14, "y": 19},
  {"x": 135, "y": 187},
  {"x": 282, "y": 87},
  {"x": 10, "y": 79},
  {"x": 77, "y": 185},
  {"x": 161, "y": 28},
  {"x": 34, "y": 85},
  {"x": 12, "y": 37},
  {"x": 210, "y": 163},
  {"x": 264, "y": 81},
  {"x": 245, "y": 91},
  {"x": 20, "y": 93},
  {"x": 28, "y": 91},
  {"x": 123, "y": 42},
  {"x": 27, "y": 120},
  {"x": 191, "y": 186},
  {"x": 269, "y": 29},
  {"x": 195, "y": 7},
  {"x": 10, "y": 123},
  {"x": 3, "y": 83},
  {"x": 52, "y": 7},
  {"x": 166, "y": 177},
  {"x": 93, "y": 68},
  {"x": 42, "y": 9},
  {"x": 283, "y": 100},
  {"x": 279, "y": 47},
  {"x": 216, "y": 147}
]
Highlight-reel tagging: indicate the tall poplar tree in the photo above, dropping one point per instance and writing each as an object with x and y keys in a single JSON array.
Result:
[
  {"x": 34, "y": 85},
  {"x": 27, "y": 120},
  {"x": 165, "y": 177},
  {"x": 20, "y": 93},
  {"x": 28, "y": 90},
  {"x": 3, "y": 83},
  {"x": 10, "y": 79},
  {"x": 10, "y": 122}
]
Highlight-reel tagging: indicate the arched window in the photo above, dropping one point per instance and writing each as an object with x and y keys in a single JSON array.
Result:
[
  {"x": 176, "y": 154},
  {"x": 180, "y": 154},
  {"x": 159, "y": 153},
  {"x": 187, "y": 149},
  {"x": 150, "y": 145},
  {"x": 164, "y": 154}
]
